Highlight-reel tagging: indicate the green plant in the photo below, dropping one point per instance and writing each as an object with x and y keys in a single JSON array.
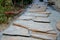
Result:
[
  {"x": 3, "y": 8},
  {"x": 3, "y": 18},
  {"x": 6, "y": 5},
  {"x": 27, "y": 2}
]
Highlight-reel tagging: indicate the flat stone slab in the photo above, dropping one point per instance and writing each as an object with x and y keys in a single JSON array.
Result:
[
  {"x": 25, "y": 17},
  {"x": 36, "y": 14},
  {"x": 41, "y": 19},
  {"x": 46, "y": 12},
  {"x": 42, "y": 9},
  {"x": 34, "y": 25},
  {"x": 22, "y": 23},
  {"x": 43, "y": 35},
  {"x": 38, "y": 8},
  {"x": 17, "y": 38},
  {"x": 15, "y": 30},
  {"x": 44, "y": 27},
  {"x": 52, "y": 32}
]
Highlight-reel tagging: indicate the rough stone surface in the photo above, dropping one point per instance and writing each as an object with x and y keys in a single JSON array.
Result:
[{"x": 15, "y": 30}]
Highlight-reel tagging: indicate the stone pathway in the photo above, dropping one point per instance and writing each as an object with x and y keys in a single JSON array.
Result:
[{"x": 54, "y": 17}]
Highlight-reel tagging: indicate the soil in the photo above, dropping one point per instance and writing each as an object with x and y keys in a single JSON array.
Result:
[{"x": 3, "y": 27}]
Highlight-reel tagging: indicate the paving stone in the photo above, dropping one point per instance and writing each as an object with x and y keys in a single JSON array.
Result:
[
  {"x": 46, "y": 12},
  {"x": 15, "y": 30},
  {"x": 36, "y": 14},
  {"x": 44, "y": 27},
  {"x": 22, "y": 23},
  {"x": 34, "y": 26},
  {"x": 38, "y": 9},
  {"x": 41, "y": 19},
  {"x": 18, "y": 38},
  {"x": 25, "y": 17},
  {"x": 43, "y": 35}
]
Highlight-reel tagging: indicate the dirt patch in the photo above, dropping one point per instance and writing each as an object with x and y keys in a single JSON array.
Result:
[{"x": 3, "y": 26}]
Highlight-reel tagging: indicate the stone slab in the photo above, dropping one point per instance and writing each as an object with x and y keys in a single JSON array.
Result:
[
  {"x": 38, "y": 8},
  {"x": 34, "y": 26},
  {"x": 44, "y": 27},
  {"x": 46, "y": 12},
  {"x": 36, "y": 14},
  {"x": 43, "y": 36},
  {"x": 17, "y": 38},
  {"x": 41, "y": 19},
  {"x": 22, "y": 23},
  {"x": 15, "y": 30},
  {"x": 25, "y": 17}
]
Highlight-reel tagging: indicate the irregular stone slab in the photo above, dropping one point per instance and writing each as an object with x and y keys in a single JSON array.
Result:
[
  {"x": 15, "y": 30},
  {"x": 48, "y": 32},
  {"x": 27, "y": 14},
  {"x": 38, "y": 9},
  {"x": 44, "y": 27},
  {"x": 40, "y": 15},
  {"x": 46, "y": 12},
  {"x": 36, "y": 6},
  {"x": 17, "y": 38},
  {"x": 33, "y": 25},
  {"x": 41, "y": 19},
  {"x": 43, "y": 36},
  {"x": 22, "y": 23},
  {"x": 36, "y": 14},
  {"x": 52, "y": 32},
  {"x": 25, "y": 17}
]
